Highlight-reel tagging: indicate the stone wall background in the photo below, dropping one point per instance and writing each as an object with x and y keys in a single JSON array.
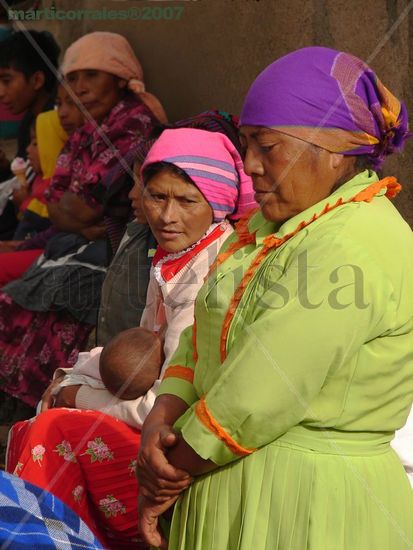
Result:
[{"x": 211, "y": 55}]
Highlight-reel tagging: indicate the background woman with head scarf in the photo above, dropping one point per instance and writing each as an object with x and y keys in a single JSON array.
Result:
[
  {"x": 300, "y": 369},
  {"x": 54, "y": 305},
  {"x": 106, "y": 77},
  {"x": 194, "y": 183}
]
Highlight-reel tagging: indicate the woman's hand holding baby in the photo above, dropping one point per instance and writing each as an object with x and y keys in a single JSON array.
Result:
[
  {"x": 158, "y": 480},
  {"x": 148, "y": 513},
  {"x": 160, "y": 483}
]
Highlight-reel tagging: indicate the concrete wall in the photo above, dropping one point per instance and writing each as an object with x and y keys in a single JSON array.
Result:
[{"x": 210, "y": 56}]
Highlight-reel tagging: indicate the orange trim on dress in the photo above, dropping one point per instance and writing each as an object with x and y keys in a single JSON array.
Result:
[
  {"x": 204, "y": 415},
  {"x": 390, "y": 183},
  {"x": 177, "y": 371},
  {"x": 244, "y": 238},
  {"x": 271, "y": 242}
]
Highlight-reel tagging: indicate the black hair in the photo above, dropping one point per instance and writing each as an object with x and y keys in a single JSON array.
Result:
[
  {"x": 4, "y": 10},
  {"x": 162, "y": 166},
  {"x": 363, "y": 162},
  {"x": 211, "y": 121},
  {"x": 17, "y": 52},
  {"x": 32, "y": 125}
]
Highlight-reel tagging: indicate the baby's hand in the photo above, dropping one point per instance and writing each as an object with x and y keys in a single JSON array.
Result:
[
  {"x": 48, "y": 396},
  {"x": 67, "y": 397}
]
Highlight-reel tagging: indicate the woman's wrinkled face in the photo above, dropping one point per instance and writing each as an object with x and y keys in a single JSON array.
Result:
[
  {"x": 288, "y": 174},
  {"x": 69, "y": 114},
  {"x": 176, "y": 210},
  {"x": 98, "y": 91}
]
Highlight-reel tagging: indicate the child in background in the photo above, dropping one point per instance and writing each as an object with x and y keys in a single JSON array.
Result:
[
  {"x": 9, "y": 123},
  {"x": 47, "y": 140},
  {"x": 29, "y": 200},
  {"x": 28, "y": 77},
  {"x": 69, "y": 113},
  {"x": 52, "y": 131},
  {"x": 127, "y": 366},
  {"x": 48, "y": 137},
  {"x": 27, "y": 85}
]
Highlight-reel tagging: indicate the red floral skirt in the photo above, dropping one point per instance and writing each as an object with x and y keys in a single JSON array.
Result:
[{"x": 87, "y": 459}]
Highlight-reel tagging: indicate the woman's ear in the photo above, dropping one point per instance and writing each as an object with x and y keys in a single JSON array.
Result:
[
  {"x": 38, "y": 80},
  {"x": 137, "y": 165},
  {"x": 337, "y": 160},
  {"x": 342, "y": 167},
  {"x": 122, "y": 83}
]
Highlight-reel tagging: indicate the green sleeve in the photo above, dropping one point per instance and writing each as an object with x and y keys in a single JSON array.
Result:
[
  {"x": 304, "y": 327},
  {"x": 179, "y": 374}
]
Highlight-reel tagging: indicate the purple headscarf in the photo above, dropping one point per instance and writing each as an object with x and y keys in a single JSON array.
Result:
[{"x": 331, "y": 99}]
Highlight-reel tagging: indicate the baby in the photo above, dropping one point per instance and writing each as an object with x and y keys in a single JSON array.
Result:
[
  {"x": 130, "y": 363},
  {"x": 127, "y": 366}
]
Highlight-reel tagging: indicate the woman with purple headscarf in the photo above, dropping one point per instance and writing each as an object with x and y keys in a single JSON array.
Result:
[{"x": 281, "y": 401}]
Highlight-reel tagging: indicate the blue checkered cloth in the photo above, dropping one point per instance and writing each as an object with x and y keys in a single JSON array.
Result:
[{"x": 35, "y": 519}]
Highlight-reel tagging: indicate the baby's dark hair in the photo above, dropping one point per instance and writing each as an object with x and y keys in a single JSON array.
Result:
[
  {"x": 17, "y": 52},
  {"x": 130, "y": 363},
  {"x": 163, "y": 166}
]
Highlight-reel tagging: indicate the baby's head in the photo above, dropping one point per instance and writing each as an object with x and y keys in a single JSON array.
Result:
[{"x": 131, "y": 362}]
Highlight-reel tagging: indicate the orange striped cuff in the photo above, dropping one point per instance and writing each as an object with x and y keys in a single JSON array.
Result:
[
  {"x": 176, "y": 371},
  {"x": 213, "y": 426}
]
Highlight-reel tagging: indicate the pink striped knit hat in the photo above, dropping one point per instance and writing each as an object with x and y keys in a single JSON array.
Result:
[{"x": 214, "y": 165}]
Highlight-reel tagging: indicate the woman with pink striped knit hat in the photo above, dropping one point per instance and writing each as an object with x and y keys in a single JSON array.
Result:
[
  {"x": 210, "y": 162},
  {"x": 193, "y": 184}
]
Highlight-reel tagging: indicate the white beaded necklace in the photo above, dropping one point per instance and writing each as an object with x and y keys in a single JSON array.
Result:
[{"x": 175, "y": 255}]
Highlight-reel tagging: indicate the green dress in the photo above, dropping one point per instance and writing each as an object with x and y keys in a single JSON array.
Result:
[{"x": 297, "y": 392}]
